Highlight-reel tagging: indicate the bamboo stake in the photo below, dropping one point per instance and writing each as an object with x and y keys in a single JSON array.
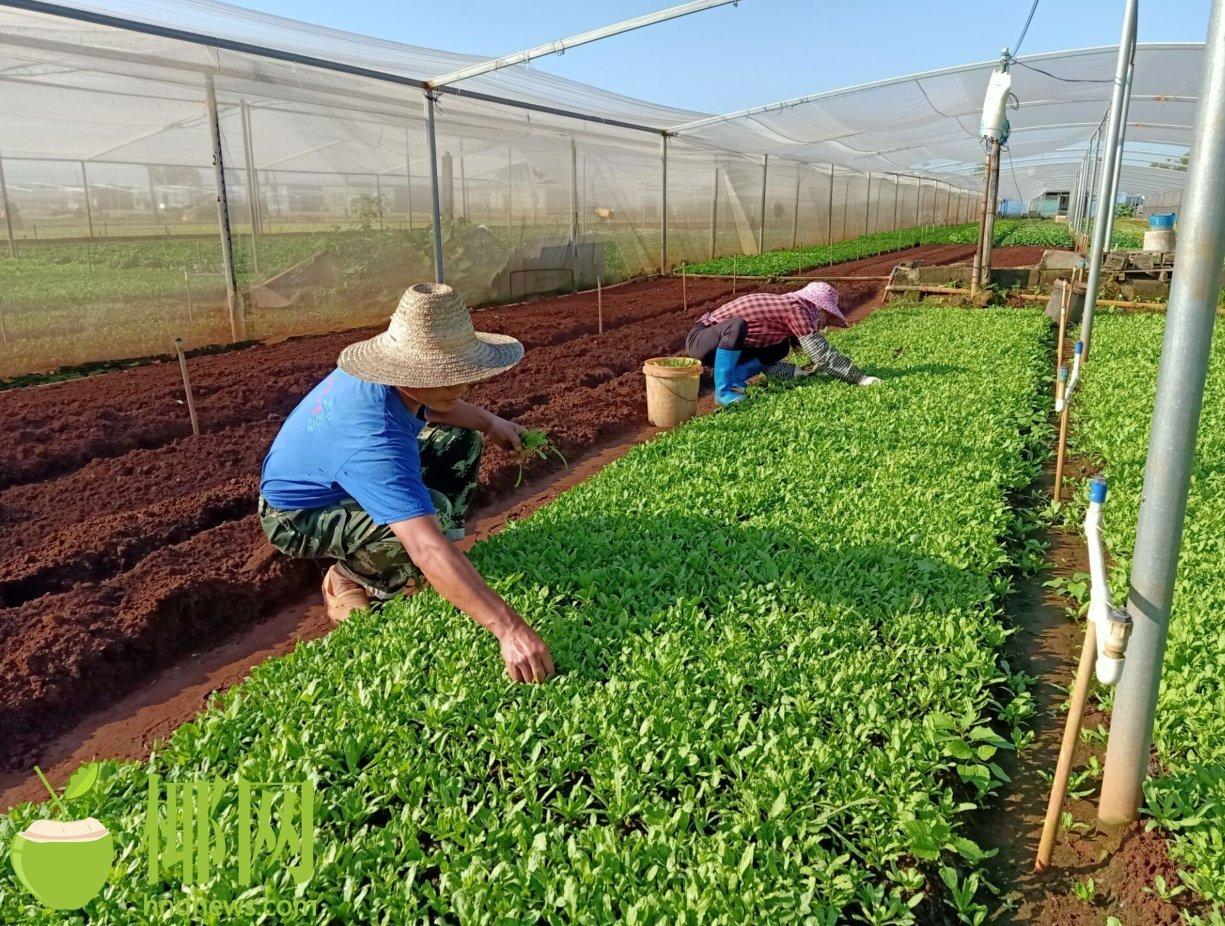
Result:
[
  {"x": 733, "y": 276},
  {"x": 191, "y": 403},
  {"x": 684, "y": 290},
  {"x": 1063, "y": 443},
  {"x": 1071, "y": 734},
  {"x": 599, "y": 303}
]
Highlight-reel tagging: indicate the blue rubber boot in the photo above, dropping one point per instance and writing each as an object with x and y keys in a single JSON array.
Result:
[
  {"x": 725, "y": 376},
  {"x": 746, "y": 370}
]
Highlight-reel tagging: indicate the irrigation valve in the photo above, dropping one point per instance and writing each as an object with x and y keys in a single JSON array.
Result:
[
  {"x": 1062, "y": 402},
  {"x": 1112, "y": 625},
  {"x": 994, "y": 123}
]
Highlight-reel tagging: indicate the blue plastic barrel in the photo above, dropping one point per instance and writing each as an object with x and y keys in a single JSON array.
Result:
[{"x": 1161, "y": 222}]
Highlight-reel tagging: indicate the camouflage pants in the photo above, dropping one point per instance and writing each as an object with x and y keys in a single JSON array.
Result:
[{"x": 369, "y": 553}]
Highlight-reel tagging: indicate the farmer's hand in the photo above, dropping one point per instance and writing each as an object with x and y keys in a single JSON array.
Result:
[
  {"x": 527, "y": 657},
  {"x": 506, "y": 434},
  {"x": 870, "y": 381}
]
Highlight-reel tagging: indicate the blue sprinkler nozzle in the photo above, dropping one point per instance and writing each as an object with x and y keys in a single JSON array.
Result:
[
  {"x": 1097, "y": 490},
  {"x": 1079, "y": 347}
]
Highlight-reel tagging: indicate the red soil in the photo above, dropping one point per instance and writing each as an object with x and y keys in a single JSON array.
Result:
[{"x": 128, "y": 543}]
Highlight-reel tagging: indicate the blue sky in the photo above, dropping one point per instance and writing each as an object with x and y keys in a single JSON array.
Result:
[{"x": 760, "y": 51}]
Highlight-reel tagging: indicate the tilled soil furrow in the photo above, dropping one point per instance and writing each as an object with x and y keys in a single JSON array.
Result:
[
  {"x": 83, "y": 648},
  {"x": 99, "y": 548}
]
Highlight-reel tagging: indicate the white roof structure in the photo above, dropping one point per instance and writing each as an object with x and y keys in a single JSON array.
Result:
[{"x": 77, "y": 88}]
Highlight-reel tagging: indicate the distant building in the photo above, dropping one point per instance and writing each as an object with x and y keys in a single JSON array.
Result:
[{"x": 1050, "y": 204}]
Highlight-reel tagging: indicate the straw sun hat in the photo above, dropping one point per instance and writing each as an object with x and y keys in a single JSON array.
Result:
[{"x": 430, "y": 342}]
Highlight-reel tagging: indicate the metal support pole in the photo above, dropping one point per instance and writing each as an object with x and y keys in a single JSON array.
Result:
[
  {"x": 795, "y": 220},
  {"x": 896, "y": 186},
  {"x": 714, "y": 214},
  {"x": 463, "y": 181},
  {"x": 867, "y": 204},
  {"x": 1114, "y": 138},
  {"x": 252, "y": 195},
  {"x": 663, "y": 203},
  {"x": 8, "y": 210},
  {"x": 435, "y": 198},
  {"x": 829, "y": 214},
  {"x": 573, "y": 199},
  {"x": 1118, "y": 152},
  {"x": 238, "y": 323},
  {"x": 153, "y": 213},
  {"x": 993, "y": 196},
  {"x": 89, "y": 209},
  {"x": 846, "y": 198},
  {"x": 408, "y": 177},
  {"x": 510, "y": 189},
  {"x": 1171, "y": 448},
  {"x": 761, "y": 229}
]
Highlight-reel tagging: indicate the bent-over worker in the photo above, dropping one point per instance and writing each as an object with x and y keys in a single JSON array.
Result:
[
  {"x": 377, "y": 466},
  {"x": 752, "y": 334}
]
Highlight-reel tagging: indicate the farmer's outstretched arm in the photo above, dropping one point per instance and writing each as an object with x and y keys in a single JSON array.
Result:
[
  {"x": 526, "y": 656},
  {"x": 463, "y": 414},
  {"x": 828, "y": 359}
]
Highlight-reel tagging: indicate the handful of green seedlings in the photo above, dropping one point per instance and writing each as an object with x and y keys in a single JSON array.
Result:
[{"x": 537, "y": 442}]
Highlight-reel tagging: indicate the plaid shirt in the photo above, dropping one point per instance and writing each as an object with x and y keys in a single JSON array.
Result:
[{"x": 771, "y": 318}]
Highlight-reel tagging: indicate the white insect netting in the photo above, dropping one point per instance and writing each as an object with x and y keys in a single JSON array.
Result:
[{"x": 110, "y": 201}]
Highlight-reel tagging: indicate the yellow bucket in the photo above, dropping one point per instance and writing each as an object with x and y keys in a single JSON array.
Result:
[{"x": 672, "y": 389}]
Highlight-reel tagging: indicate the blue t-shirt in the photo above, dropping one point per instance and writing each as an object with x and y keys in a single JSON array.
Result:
[{"x": 348, "y": 439}]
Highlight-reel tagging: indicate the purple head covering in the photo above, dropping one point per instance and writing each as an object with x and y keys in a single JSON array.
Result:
[{"x": 824, "y": 297}]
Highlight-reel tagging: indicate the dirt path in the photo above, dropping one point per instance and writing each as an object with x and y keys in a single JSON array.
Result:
[{"x": 1122, "y": 867}]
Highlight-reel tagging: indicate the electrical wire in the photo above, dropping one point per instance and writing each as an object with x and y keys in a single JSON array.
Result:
[
  {"x": 1066, "y": 80},
  {"x": 1016, "y": 49}
]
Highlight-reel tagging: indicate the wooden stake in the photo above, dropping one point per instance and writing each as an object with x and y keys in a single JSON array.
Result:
[
  {"x": 599, "y": 303},
  {"x": 1071, "y": 735},
  {"x": 684, "y": 290},
  {"x": 733, "y": 276},
  {"x": 1063, "y": 443},
  {"x": 191, "y": 403}
]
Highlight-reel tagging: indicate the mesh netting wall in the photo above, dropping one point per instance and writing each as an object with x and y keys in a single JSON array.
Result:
[{"x": 112, "y": 200}]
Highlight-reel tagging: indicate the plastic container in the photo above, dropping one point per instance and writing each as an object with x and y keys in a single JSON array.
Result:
[
  {"x": 1076, "y": 303},
  {"x": 1162, "y": 221},
  {"x": 672, "y": 389}
]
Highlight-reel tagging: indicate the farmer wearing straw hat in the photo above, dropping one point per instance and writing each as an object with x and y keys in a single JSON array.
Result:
[
  {"x": 753, "y": 334},
  {"x": 377, "y": 466}
]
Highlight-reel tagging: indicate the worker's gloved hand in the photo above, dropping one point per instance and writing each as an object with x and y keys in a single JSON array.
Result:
[{"x": 869, "y": 381}]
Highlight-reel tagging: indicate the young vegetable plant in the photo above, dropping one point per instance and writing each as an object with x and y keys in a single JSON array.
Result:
[{"x": 537, "y": 442}]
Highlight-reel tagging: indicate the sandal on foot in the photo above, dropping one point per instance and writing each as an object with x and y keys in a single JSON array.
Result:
[{"x": 342, "y": 596}]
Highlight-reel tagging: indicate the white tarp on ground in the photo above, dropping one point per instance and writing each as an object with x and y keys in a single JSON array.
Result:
[{"x": 85, "y": 91}]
